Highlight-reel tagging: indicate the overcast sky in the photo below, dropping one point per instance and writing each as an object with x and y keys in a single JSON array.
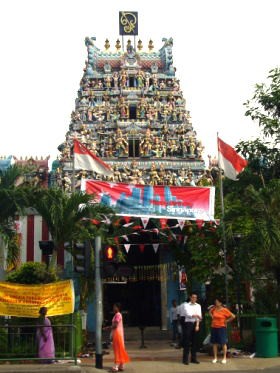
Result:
[{"x": 222, "y": 48}]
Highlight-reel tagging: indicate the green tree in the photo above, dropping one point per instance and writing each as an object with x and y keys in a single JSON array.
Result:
[
  {"x": 259, "y": 192},
  {"x": 13, "y": 198},
  {"x": 264, "y": 109},
  {"x": 32, "y": 273},
  {"x": 66, "y": 216}
]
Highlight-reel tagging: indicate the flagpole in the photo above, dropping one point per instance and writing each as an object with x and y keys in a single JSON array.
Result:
[
  {"x": 73, "y": 171},
  {"x": 223, "y": 226}
]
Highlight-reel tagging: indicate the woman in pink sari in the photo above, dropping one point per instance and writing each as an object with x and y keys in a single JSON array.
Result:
[
  {"x": 44, "y": 336},
  {"x": 120, "y": 353}
]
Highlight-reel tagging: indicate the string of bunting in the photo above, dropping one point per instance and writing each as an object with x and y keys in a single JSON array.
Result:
[{"x": 169, "y": 235}]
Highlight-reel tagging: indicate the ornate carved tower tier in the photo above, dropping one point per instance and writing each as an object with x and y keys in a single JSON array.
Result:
[{"x": 130, "y": 111}]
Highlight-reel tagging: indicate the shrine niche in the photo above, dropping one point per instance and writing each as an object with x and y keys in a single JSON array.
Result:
[
  {"x": 130, "y": 111},
  {"x": 35, "y": 171}
]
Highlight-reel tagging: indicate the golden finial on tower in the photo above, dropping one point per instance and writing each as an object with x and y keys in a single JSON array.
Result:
[
  {"x": 107, "y": 44},
  {"x": 151, "y": 45},
  {"x": 140, "y": 45},
  {"x": 128, "y": 45},
  {"x": 118, "y": 45}
]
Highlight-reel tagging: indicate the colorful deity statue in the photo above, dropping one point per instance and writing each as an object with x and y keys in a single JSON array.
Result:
[
  {"x": 174, "y": 114},
  {"x": 121, "y": 145},
  {"x": 66, "y": 182},
  {"x": 141, "y": 108},
  {"x": 108, "y": 111},
  {"x": 140, "y": 79},
  {"x": 109, "y": 147},
  {"x": 147, "y": 80},
  {"x": 191, "y": 145},
  {"x": 123, "y": 108},
  {"x": 162, "y": 84},
  {"x": 176, "y": 85},
  {"x": 75, "y": 116},
  {"x": 146, "y": 144},
  {"x": 99, "y": 84},
  {"x": 155, "y": 80},
  {"x": 157, "y": 148},
  {"x": 123, "y": 79},
  {"x": 173, "y": 148},
  {"x": 108, "y": 80},
  {"x": 116, "y": 80},
  {"x": 199, "y": 149},
  {"x": 154, "y": 177},
  {"x": 89, "y": 114}
]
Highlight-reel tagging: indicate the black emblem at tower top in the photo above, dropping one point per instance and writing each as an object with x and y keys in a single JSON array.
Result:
[{"x": 128, "y": 22}]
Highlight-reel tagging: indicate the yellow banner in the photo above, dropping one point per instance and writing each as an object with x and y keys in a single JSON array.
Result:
[{"x": 26, "y": 300}]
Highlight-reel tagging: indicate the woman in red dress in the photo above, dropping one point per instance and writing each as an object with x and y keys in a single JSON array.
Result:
[{"x": 121, "y": 356}]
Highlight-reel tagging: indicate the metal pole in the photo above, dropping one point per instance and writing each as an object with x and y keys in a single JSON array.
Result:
[
  {"x": 223, "y": 225},
  {"x": 73, "y": 174},
  {"x": 224, "y": 236},
  {"x": 99, "y": 305}
]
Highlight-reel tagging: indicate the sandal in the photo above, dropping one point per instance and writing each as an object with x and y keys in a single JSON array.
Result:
[{"x": 113, "y": 369}]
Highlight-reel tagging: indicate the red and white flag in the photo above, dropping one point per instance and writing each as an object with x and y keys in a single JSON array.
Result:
[
  {"x": 230, "y": 161},
  {"x": 84, "y": 159}
]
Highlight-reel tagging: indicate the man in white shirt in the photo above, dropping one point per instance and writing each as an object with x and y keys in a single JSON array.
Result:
[
  {"x": 181, "y": 322},
  {"x": 192, "y": 313}
]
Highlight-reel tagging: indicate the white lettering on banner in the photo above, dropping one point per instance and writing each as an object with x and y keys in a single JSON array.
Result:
[{"x": 180, "y": 210}]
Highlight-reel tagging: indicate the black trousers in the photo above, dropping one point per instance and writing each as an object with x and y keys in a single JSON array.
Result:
[{"x": 189, "y": 341}]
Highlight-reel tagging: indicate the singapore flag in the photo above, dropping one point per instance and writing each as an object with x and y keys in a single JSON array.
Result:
[
  {"x": 84, "y": 159},
  {"x": 230, "y": 161}
]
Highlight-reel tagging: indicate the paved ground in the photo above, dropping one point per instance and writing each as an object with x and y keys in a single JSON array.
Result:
[{"x": 158, "y": 357}]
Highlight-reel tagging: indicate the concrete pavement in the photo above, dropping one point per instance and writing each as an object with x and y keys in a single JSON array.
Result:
[{"x": 158, "y": 357}]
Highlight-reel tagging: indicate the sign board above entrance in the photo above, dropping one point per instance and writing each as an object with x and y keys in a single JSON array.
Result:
[{"x": 157, "y": 201}]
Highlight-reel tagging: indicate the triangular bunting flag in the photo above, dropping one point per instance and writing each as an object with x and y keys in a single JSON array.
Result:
[
  {"x": 141, "y": 247},
  {"x": 155, "y": 247},
  {"x": 128, "y": 225},
  {"x": 127, "y": 219},
  {"x": 181, "y": 223},
  {"x": 145, "y": 221},
  {"x": 125, "y": 237},
  {"x": 127, "y": 247},
  {"x": 199, "y": 223},
  {"x": 163, "y": 223}
]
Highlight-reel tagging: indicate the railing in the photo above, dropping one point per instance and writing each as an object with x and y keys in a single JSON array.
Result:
[{"x": 18, "y": 342}]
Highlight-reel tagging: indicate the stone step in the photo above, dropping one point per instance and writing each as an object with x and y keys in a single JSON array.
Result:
[{"x": 150, "y": 333}]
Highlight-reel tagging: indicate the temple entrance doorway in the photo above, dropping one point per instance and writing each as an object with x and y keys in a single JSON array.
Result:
[
  {"x": 133, "y": 149},
  {"x": 140, "y": 296}
]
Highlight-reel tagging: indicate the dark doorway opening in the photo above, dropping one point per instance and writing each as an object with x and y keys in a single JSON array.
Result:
[
  {"x": 132, "y": 82},
  {"x": 132, "y": 112},
  {"x": 133, "y": 149},
  {"x": 140, "y": 300}
]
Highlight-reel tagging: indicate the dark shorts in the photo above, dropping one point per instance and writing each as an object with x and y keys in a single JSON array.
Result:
[{"x": 218, "y": 336}]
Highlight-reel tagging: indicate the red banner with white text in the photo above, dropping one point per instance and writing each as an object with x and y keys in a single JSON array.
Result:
[{"x": 157, "y": 201}]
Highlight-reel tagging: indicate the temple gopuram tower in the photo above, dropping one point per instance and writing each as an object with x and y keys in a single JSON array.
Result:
[{"x": 130, "y": 111}]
